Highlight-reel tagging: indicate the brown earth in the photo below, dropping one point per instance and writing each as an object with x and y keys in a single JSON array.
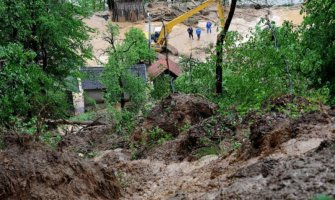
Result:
[
  {"x": 174, "y": 112},
  {"x": 295, "y": 177},
  {"x": 279, "y": 149},
  {"x": 29, "y": 170},
  {"x": 267, "y": 156}
]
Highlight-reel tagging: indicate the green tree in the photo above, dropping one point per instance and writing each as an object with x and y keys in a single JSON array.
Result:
[
  {"x": 161, "y": 87},
  {"x": 117, "y": 77},
  {"x": 42, "y": 42},
  {"x": 318, "y": 31},
  {"x": 53, "y": 30},
  {"x": 27, "y": 93}
]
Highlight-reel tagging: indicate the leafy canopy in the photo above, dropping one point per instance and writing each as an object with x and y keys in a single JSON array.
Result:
[
  {"x": 117, "y": 77},
  {"x": 42, "y": 42}
]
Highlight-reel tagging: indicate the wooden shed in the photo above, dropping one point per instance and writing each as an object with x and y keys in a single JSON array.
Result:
[{"x": 127, "y": 10}]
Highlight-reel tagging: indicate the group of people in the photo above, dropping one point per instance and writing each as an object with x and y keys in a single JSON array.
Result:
[{"x": 198, "y": 30}]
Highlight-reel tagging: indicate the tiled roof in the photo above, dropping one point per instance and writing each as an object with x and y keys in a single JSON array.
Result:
[{"x": 160, "y": 66}]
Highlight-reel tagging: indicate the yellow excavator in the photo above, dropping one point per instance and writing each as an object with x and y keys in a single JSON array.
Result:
[{"x": 160, "y": 38}]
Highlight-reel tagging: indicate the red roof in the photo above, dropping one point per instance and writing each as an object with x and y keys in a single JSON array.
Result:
[{"x": 158, "y": 67}]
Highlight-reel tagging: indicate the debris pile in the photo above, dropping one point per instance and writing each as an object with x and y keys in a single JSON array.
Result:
[{"x": 29, "y": 170}]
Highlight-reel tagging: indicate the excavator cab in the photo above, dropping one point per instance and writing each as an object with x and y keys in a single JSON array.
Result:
[{"x": 155, "y": 36}]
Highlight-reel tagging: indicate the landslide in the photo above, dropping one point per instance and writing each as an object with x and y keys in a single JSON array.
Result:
[
  {"x": 296, "y": 177},
  {"x": 174, "y": 112},
  {"x": 276, "y": 151},
  {"x": 30, "y": 170},
  {"x": 267, "y": 155}
]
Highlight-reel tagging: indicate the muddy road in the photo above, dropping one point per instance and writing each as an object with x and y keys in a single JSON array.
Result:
[{"x": 245, "y": 19}]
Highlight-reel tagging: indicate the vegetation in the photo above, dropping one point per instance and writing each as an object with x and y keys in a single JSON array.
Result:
[
  {"x": 161, "y": 87},
  {"x": 122, "y": 84},
  {"x": 42, "y": 43},
  {"x": 271, "y": 63},
  {"x": 322, "y": 197}
]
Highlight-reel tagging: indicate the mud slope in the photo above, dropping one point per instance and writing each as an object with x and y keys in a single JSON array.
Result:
[
  {"x": 29, "y": 170},
  {"x": 297, "y": 177},
  {"x": 279, "y": 158}
]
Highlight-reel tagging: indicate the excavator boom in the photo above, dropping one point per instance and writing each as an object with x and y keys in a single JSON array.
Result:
[{"x": 168, "y": 27}]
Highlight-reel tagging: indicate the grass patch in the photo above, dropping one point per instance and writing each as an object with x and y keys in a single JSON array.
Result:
[
  {"x": 322, "y": 197},
  {"x": 84, "y": 116},
  {"x": 204, "y": 151}
]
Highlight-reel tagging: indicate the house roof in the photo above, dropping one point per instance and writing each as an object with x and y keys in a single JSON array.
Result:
[
  {"x": 140, "y": 70},
  {"x": 91, "y": 81},
  {"x": 160, "y": 66}
]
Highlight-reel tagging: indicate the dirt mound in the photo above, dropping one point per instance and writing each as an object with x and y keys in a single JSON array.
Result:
[
  {"x": 299, "y": 177},
  {"x": 286, "y": 101},
  {"x": 213, "y": 135},
  {"x": 268, "y": 132},
  {"x": 271, "y": 131},
  {"x": 175, "y": 112},
  {"x": 29, "y": 170},
  {"x": 99, "y": 138}
]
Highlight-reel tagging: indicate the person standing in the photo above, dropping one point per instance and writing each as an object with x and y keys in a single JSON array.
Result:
[
  {"x": 209, "y": 27},
  {"x": 198, "y": 32},
  {"x": 190, "y": 32}
]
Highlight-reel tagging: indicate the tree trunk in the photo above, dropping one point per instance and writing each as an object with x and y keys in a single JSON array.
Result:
[{"x": 219, "y": 48}]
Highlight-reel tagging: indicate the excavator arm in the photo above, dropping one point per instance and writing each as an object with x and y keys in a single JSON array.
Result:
[{"x": 168, "y": 27}]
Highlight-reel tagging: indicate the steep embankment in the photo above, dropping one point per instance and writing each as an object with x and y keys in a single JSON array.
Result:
[{"x": 267, "y": 156}]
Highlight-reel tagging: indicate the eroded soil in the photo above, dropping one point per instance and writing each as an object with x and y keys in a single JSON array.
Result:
[{"x": 268, "y": 156}]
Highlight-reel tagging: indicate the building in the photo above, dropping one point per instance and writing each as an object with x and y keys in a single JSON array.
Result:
[
  {"x": 127, "y": 10},
  {"x": 91, "y": 84},
  {"x": 91, "y": 90}
]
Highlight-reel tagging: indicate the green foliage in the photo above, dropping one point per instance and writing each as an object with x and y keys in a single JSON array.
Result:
[
  {"x": 53, "y": 30},
  {"x": 118, "y": 78},
  {"x": 122, "y": 179},
  {"x": 208, "y": 150},
  {"x": 27, "y": 91},
  {"x": 91, "y": 5},
  {"x": 197, "y": 77},
  {"x": 263, "y": 67},
  {"x": 270, "y": 63},
  {"x": 84, "y": 116},
  {"x": 124, "y": 121},
  {"x": 158, "y": 136},
  {"x": 322, "y": 197},
  {"x": 42, "y": 43},
  {"x": 185, "y": 127},
  {"x": 161, "y": 87},
  {"x": 50, "y": 139},
  {"x": 91, "y": 154},
  {"x": 318, "y": 41}
]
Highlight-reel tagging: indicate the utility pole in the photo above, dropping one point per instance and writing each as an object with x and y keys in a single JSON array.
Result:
[{"x": 149, "y": 26}]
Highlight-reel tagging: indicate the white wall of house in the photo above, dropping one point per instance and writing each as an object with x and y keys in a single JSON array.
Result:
[{"x": 78, "y": 100}]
